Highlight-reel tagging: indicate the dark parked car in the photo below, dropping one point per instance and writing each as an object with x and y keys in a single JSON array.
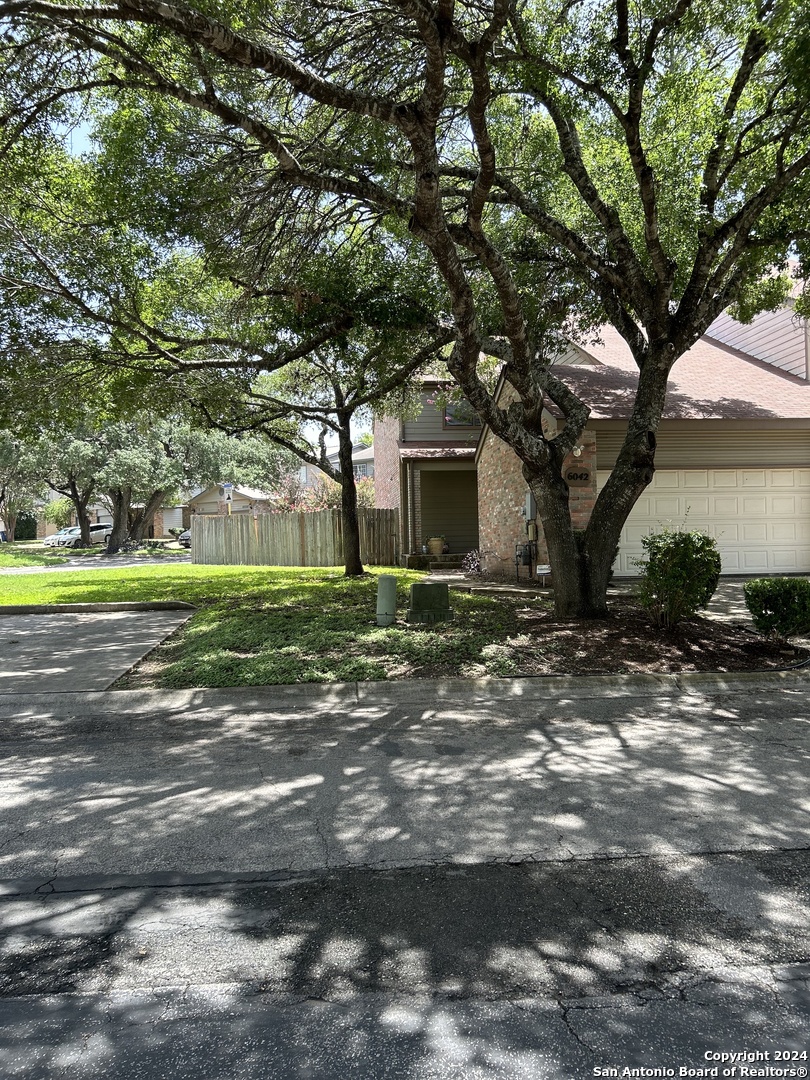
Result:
[{"x": 184, "y": 539}]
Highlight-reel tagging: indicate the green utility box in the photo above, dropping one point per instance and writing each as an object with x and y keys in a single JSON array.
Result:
[{"x": 430, "y": 603}]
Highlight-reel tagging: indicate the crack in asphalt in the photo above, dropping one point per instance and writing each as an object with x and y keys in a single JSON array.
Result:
[
  {"x": 564, "y": 1011},
  {"x": 324, "y": 843},
  {"x": 101, "y": 883}
]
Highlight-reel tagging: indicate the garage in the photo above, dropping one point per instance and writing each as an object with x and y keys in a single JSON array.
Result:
[{"x": 760, "y": 517}]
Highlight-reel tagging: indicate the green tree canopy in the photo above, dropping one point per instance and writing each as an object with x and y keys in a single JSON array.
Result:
[{"x": 561, "y": 164}]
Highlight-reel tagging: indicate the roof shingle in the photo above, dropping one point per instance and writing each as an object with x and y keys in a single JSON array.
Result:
[{"x": 709, "y": 382}]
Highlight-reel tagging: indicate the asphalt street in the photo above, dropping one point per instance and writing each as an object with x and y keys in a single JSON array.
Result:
[{"x": 528, "y": 878}]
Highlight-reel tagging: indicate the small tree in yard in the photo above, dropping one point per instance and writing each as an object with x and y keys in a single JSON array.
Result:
[
  {"x": 388, "y": 332},
  {"x": 58, "y": 512},
  {"x": 22, "y": 485},
  {"x": 679, "y": 575}
]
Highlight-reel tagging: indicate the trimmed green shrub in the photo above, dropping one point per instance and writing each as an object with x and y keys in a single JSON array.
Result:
[
  {"x": 679, "y": 575},
  {"x": 779, "y": 606}
]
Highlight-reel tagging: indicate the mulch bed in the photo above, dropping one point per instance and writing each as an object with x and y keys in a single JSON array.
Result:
[{"x": 628, "y": 642}]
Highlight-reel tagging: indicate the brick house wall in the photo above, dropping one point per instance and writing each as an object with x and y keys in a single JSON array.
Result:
[
  {"x": 387, "y": 493},
  {"x": 502, "y": 499}
]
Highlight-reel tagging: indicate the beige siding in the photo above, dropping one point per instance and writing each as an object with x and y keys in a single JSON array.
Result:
[
  {"x": 575, "y": 355},
  {"x": 428, "y": 427},
  {"x": 449, "y": 508},
  {"x": 777, "y": 337},
  {"x": 719, "y": 449}
]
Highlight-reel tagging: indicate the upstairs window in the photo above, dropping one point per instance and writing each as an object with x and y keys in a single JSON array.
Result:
[{"x": 460, "y": 414}]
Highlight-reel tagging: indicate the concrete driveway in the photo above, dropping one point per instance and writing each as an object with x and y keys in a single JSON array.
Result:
[{"x": 74, "y": 651}]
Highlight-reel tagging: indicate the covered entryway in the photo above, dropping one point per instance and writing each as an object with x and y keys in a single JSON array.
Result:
[
  {"x": 449, "y": 506},
  {"x": 760, "y": 518}
]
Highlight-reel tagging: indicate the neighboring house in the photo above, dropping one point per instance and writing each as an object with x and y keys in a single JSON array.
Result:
[
  {"x": 362, "y": 465},
  {"x": 166, "y": 518},
  {"x": 732, "y": 457},
  {"x": 425, "y": 467},
  {"x": 242, "y": 500},
  {"x": 362, "y": 461}
]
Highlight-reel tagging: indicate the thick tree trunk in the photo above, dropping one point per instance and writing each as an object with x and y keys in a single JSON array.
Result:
[
  {"x": 121, "y": 499},
  {"x": 632, "y": 473},
  {"x": 582, "y": 562},
  {"x": 348, "y": 504},
  {"x": 143, "y": 518},
  {"x": 574, "y": 596},
  {"x": 80, "y": 499}
]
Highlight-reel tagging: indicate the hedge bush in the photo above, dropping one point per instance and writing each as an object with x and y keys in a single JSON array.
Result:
[
  {"x": 779, "y": 606},
  {"x": 26, "y": 528},
  {"x": 679, "y": 575}
]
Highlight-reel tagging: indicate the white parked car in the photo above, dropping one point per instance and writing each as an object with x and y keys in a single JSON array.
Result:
[
  {"x": 57, "y": 539},
  {"x": 72, "y": 537}
]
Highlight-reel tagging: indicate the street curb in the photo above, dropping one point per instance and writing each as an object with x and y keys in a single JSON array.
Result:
[
  {"x": 424, "y": 693},
  {"x": 89, "y": 609},
  {"x": 40, "y": 885}
]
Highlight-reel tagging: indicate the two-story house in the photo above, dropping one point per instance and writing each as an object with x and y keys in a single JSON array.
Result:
[
  {"x": 733, "y": 454},
  {"x": 426, "y": 467},
  {"x": 362, "y": 466}
]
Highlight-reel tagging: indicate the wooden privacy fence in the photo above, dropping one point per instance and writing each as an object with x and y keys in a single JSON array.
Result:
[{"x": 293, "y": 539}]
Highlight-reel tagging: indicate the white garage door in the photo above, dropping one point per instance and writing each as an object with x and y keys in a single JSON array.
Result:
[
  {"x": 172, "y": 518},
  {"x": 760, "y": 518}
]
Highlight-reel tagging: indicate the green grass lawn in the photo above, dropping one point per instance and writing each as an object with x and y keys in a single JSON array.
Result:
[
  {"x": 268, "y": 625},
  {"x": 27, "y": 555},
  {"x": 34, "y": 553}
]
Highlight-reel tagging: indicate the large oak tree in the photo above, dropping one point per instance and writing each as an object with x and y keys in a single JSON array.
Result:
[{"x": 563, "y": 163}]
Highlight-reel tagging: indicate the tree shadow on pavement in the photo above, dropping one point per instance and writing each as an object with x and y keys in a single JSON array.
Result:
[
  {"x": 593, "y": 949},
  {"x": 540, "y": 855}
]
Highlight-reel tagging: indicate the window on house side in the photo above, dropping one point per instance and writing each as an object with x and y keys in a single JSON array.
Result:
[{"x": 460, "y": 414}]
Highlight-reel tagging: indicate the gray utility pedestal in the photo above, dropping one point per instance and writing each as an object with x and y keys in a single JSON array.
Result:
[
  {"x": 430, "y": 603},
  {"x": 386, "y": 600}
]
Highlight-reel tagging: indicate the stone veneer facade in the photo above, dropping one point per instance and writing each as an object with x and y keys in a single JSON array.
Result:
[{"x": 502, "y": 495}]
